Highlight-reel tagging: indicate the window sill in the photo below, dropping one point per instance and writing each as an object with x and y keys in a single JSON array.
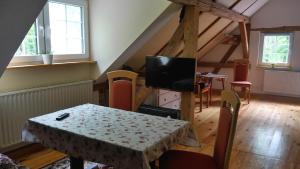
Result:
[
  {"x": 269, "y": 67},
  {"x": 40, "y": 65}
]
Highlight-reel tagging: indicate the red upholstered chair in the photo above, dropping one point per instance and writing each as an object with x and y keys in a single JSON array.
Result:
[
  {"x": 177, "y": 159},
  {"x": 240, "y": 77},
  {"x": 122, "y": 85}
]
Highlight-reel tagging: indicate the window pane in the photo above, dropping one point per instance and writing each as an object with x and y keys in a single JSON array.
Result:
[
  {"x": 74, "y": 14},
  {"x": 276, "y": 49},
  {"x": 66, "y": 28},
  {"x": 29, "y": 45}
]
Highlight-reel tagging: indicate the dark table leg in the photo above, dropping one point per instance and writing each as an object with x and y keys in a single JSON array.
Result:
[
  {"x": 153, "y": 165},
  {"x": 223, "y": 85},
  {"x": 210, "y": 91},
  {"x": 76, "y": 163}
]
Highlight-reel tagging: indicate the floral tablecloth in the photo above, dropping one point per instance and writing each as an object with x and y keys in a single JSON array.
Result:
[{"x": 122, "y": 139}]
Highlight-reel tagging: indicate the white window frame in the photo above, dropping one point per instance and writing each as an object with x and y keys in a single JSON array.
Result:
[
  {"x": 44, "y": 34},
  {"x": 39, "y": 23},
  {"x": 260, "y": 58}
]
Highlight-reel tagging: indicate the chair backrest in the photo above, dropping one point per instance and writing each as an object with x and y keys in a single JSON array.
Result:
[
  {"x": 241, "y": 68},
  {"x": 230, "y": 105},
  {"x": 122, "y": 88}
]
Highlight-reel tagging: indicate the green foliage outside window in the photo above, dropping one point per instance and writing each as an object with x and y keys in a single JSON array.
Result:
[
  {"x": 276, "y": 49},
  {"x": 29, "y": 44}
]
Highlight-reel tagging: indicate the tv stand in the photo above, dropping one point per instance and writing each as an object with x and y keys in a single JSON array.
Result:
[
  {"x": 184, "y": 101},
  {"x": 168, "y": 99}
]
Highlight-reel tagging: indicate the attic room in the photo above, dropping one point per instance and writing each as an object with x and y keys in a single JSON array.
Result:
[{"x": 161, "y": 84}]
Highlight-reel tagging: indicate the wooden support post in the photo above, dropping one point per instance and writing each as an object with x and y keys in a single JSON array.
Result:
[
  {"x": 191, "y": 25},
  {"x": 244, "y": 38}
]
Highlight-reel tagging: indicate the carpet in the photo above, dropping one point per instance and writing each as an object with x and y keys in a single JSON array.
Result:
[{"x": 65, "y": 164}]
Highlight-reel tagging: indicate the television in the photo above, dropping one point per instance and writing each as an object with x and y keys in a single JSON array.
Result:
[{"x": 171, "y": 73}]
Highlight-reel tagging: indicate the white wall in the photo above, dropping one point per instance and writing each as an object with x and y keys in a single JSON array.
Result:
[
  {"x": 275, "y": 13},
  {"x": 115, "y": 25},
  {"x": 27, "y": 78},
  {"x": 16, "y": 18}
]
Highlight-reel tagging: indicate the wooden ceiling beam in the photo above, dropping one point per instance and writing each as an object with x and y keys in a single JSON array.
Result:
[
  {"x": 214, "y": 8},
  {"x": 231, "y": 40},
  {"x": 227, "y": 56},
  {"x": 278, "y": 29},
  {"x": 175, "y": 42},
  {"x": 244, "y": 38},
  {"x": 219, "y": 38},
  {"x": 216, "y": 64}
]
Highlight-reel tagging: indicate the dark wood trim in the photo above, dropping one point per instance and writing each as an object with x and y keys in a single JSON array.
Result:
[
  {"x": 248, "y": 27},
  {"x": 24, "y": 150},
  {"x": 278, "y": 29},
  {"x": 216, "y": 64},
  {"x": 102, "y": 89}
]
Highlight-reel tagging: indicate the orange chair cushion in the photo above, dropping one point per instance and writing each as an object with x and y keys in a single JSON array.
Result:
[
  {"x": 241, "y": 83},
  {"x": 241, "y": 72},
  {"x": 175, "y": 159},
  {"x": 222, "y": 138},
  {"x": 122, "y": 94}
]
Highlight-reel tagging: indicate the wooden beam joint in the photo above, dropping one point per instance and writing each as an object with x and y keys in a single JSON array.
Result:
[{"x": 214, "y": 8}]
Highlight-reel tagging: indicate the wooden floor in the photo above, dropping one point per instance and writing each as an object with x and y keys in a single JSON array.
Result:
[{"x": 268, "y": 135}]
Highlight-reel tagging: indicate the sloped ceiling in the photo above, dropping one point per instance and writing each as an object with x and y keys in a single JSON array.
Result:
[
  {"x": 210, "y": 27},
  {"x": 16, "y": 19},
  {"x": 118, "y": 28}
]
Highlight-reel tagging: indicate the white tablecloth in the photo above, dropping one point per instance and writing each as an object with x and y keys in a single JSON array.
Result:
[{"x": 122, "y": 139}]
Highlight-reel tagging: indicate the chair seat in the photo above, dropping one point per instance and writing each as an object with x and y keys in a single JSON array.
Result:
[
  {"x": 241, "y": 83},
  {"x": 175, "y": 159},
  {"x": 203, "y": 85}
]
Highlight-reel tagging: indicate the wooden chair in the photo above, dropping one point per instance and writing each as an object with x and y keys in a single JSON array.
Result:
[
  {"x": 178, "y": 159},
  {"x": 122, "y": 88},
  {"x": 240, "y": 77},
  {"x": 202, "y": 88}
]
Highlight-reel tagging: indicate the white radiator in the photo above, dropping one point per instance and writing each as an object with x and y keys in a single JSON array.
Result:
[
  {"x": 17, "y": 107},
  {"x": 286, "y": 83}
]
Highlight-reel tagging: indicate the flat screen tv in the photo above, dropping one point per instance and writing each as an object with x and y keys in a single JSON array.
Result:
[{"x": 170, "y": 73}]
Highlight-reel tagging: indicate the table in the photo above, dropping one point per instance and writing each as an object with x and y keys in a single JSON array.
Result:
[
  {"x": 122, "y": 139},
  {"x": 210, "y": 77}
]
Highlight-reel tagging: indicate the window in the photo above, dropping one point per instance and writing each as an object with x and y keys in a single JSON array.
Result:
[
  {"x": 276, "y": 49},
  {"x": 61, "y": 29},
  {"x": 66, "y": 28},
  {"x": 29, "y": 45}
]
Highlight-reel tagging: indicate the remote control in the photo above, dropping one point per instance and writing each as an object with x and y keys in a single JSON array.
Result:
[{"x": 62, "y": 116}]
